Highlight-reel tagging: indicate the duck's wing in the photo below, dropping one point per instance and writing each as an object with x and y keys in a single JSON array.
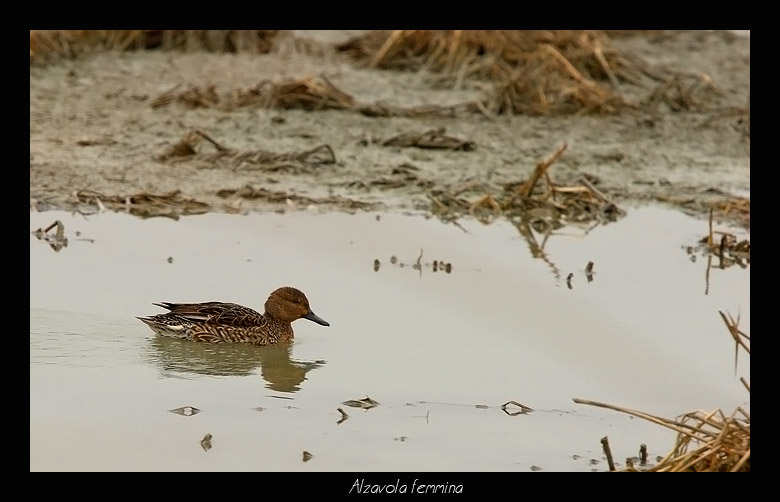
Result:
[{"x": 226, "y": 314}]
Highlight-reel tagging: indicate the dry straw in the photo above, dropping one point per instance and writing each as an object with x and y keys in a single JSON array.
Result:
[
  {"x": 706, "y": 441},
  {"x": 56, "y": 44},
  {"x": 535, "y": 72},
  {"x": 532, "y": 71}
]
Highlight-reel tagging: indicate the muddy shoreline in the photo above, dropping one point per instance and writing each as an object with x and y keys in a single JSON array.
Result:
[{"x": 96, "y": 136}]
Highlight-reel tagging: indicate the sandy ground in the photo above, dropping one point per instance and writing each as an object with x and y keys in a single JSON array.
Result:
[{"x": 93, "y": 127}]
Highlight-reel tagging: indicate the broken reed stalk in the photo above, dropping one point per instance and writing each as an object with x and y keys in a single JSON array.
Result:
[
  {"x": 733, "y": 327},
  {"x": 643, "y": 454},
  {"x": 599, "y": 54},
  {"x": 608, "y": 453},
  {"x": 208, "y": 138},
  {"x": 598, "y": 193},
  {"x": 569, "y": 67},
  {"x": 60, "y": 229},
  {"x": 678, "y": 427},
  {"x": 739, "y": 337},
  {"x": 383, "y": 51},
  {"x": 541, "y": 169}
]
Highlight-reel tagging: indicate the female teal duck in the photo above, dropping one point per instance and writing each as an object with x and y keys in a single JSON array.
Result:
[{"x": 218, "y": 322}]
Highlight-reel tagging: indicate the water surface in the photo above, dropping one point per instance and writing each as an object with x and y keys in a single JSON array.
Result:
[{"x": 440, "y": 352}]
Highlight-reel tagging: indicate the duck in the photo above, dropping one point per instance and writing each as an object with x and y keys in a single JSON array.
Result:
[{"x": 220, "y": 322}]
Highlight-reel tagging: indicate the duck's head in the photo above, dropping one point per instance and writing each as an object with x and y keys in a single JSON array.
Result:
[{"x": 288, "y": 304}]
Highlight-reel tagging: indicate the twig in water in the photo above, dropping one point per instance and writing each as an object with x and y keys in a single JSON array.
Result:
[{"x": 608, "y": 453}]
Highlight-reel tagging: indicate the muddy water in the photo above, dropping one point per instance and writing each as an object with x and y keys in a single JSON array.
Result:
[{"x": 441, "y": 352}]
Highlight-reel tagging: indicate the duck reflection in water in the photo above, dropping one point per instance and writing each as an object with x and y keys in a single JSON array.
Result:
[{"x": 278, "y": 369}]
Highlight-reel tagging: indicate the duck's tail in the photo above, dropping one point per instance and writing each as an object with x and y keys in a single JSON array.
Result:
[{"x": 164, "y": 326}]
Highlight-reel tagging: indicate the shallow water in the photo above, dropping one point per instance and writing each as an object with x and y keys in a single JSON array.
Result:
[{"x": 441, "y": 352}]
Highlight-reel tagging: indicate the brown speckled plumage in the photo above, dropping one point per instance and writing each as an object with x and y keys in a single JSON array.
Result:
[{"x": 218, "y": 322}]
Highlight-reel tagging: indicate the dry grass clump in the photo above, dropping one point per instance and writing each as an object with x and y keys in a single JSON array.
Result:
[
  {"x": 299, "y": 161},
  {"x": 310, "y": 93},
  {"x": 737, "y": 208},
  {"x": 706, "y": 442},
  {"x": 537, "y": 200},
  {"x": 449, "y": 50},
  {"x": 249, "y": 192},
  {"x": 145, "y": 204},
  {"x": 532, "y": 71},
  {"x": 727, "y": 247},
  {"x": 56, "y": 44},
  {"x": 314, "y": 92},
  {"x": 712, "y": 442}
]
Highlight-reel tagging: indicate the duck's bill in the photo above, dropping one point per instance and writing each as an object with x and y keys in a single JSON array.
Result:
[{"x": 314, "y": 317}]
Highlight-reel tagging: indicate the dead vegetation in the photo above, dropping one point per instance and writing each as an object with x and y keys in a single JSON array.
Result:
[
  {"x": 513, "y": 408},
  {"x": 313, "y": 92},
  {"x": 722, "y": 246},
  {"x": 535, "y": 72},
  {"x": 49, "y": 45},
  {"x": 56, "y": 239},
  {"x": 422, "y": 111},
  {"x": 435, "y": 139},
  {"x": 737, "y": 208},
  {"x": 530, "y": 71},
  {"x": 418, "y": 264},
  {"x": 681, "y": 92},
  {"x": 548, "y": 204},
  {"x": 366, "y": 403},
  {"x": 145, "y": 205},
  {"x": 726, "y": 247},
  {"x": 249, "y": 192},
  {"x": 700, "y": 201},
  {"x": 520, "y": 71},
  {"x": 186, "y": 150},
  {"x": 706, "y": 441}
]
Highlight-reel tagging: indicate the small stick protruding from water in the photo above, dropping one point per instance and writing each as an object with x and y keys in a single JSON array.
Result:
[
  {"x": 608, "y": 453},
  {"x": 568, "y": 280},
  {"x": 418, "y": 264},
  {"x": 642, "y": 454},
  {"x": 724, "y": 240}
]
